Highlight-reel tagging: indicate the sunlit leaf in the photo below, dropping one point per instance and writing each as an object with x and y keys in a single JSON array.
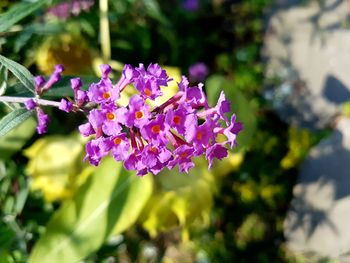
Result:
[
  {"x": 180, "y": 199},
  {"x": 110, "y": 200},
  {"x": 20, "y": 72},
  {"x": 13, "y": 119},
  {"x": 55, "y": 166}
]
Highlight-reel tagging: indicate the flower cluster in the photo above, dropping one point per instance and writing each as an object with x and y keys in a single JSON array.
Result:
[
  {"x": 149, "y": 139},
  {"x": 42, "y": 86}
]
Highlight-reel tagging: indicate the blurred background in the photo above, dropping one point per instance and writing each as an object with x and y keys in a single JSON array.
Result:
[{"x": 281, "y": 196}]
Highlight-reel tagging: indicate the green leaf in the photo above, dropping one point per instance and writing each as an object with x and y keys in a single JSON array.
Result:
[
  {"x": 17, "y": 13},
  {"x": 109, "y": 202},
  {"x": 153, "y": 10},
  {"x": 20, "y": 72},
  {"x": 239, "y": 105},
  {"x": 13, "y": 141},
  {"x": 13, "y": 119},
  {"x": 3, "y": 79}
]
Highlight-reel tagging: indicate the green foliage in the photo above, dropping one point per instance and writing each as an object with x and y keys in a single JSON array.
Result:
[
  {"x": 93, "y": 215},
  {"x": 18, "y": 12},
  {"x": 3, "y": 79},
  {"x": 233, "y": 213},
  {"x": 14, "y": 140},
  {"x": 13, "y": 119},
  {"x": 239, "y": 105},
  {"x": 20, "y": 72}
]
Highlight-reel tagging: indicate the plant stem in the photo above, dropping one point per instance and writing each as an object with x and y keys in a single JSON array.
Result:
[
  {"x": 104, "y": 31},
  {"x": 23, "y": 100}
]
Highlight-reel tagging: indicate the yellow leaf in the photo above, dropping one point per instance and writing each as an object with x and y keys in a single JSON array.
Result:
[
  {"x": 180, "y": 200},
  {"x": 56, "y": 167}
]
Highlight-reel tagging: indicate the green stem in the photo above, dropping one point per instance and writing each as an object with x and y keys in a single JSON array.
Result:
[
  {"x": 104, "y": 31},
  {"x": 23, "y": 100}
]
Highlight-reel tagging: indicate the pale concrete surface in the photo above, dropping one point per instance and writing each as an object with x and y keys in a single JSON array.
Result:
[
  {"x": 318, "y": 222},
  {"x": 307, "y": 52}
]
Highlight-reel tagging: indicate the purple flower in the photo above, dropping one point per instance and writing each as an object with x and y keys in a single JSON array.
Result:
[
  {"x": 215, "y": 151},
  {"x": 156, "y": 131},
  {"x": 110, "y": 124},
  {"x": 54, "y": 78},
  {"x": 138, "y": 114},
  {"x": 103, "y": 92},
  {"x": 196, "y": 96},
  {"x": 39, "y": 82},
  {"x": 94, "y": 151},
  {"x": 119, "y": 146},
  {"x": 183, "y": 85},
  {"x": 96, "y": 119},
  {"x": 181, "y": 119},
  {"x": 133, "y": 162},
  {"x": 127, "y": 77},
  {"x": 73, "y": 7},
  {"x": 43, "y": 120},
  {"x": 232, "y": 131},
  {"x": 200, "y": 136},
  {"x": 190, "y": 5},
  {"x": 223, "y": 106},
  {"x": 198, "y": 71},
  {"x": 81, "y": 97},
  {"x": 30, "y": 104},
  {"x": 183, "y": 155},
  {"x": 155, "y": 157},
  {"x": 65, "y": 105},
  {"x": 105, "y": 70},
  {"x": 76, "y": 84},
  {"x": 86, "y": 129},
  {"x": 148, "y": 82}
]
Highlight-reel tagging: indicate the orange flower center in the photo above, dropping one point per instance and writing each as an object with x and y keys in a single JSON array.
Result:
[
  {"x": 139, "y": 115},
  {"x": 106, "y": 95},
  {"x": 153, "y": 149},
  {"x": 148, "y": 92},
  {"x": 156, "y": 128},
  {"x": 183, "y": 155},
  {"x": 110, "y": 116},
  {"x": 199, "y": 135},
  {"x": 117, "y": 141},
  {"x": 177, "y": 120}
]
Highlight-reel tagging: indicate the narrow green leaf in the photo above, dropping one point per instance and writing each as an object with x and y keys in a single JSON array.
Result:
[
  {"x": 3, "y": 79},
  {"x": 20, "y": 72},
  {"x": 13, "y": 119},
  {"x": 153, "y": 10},
  {"x": 17, "y": 13},
  {"x": 110, "y": 200}
]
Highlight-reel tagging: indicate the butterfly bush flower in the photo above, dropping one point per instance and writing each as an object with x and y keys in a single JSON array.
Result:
[{"x": 146, "y": 139}]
